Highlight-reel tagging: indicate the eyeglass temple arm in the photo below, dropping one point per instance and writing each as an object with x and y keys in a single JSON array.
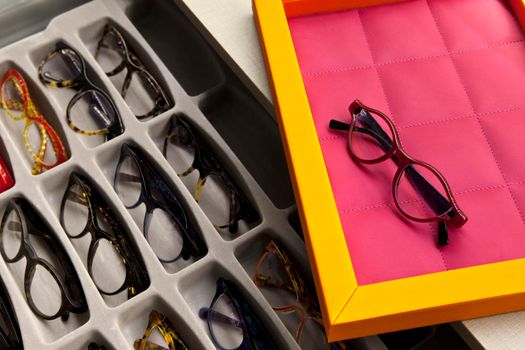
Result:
[{"x": 205, "y": 312}]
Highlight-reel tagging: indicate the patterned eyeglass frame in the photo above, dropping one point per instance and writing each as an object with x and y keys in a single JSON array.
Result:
[
  {"x": 72, "y": 295},
  {"x": 308, "y": 307},
  {"x": 205, "y": 162},
  {"x": 31, "y": 116},
  {"x": 137, "y": 279},
  {"x": 82, "y": 84},
  {"x": 133, "y": 64},
  {"x": 165, "y": 327}
]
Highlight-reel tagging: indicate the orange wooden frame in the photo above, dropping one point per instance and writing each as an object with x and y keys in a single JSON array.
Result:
[{"x": 350, "y": 310}]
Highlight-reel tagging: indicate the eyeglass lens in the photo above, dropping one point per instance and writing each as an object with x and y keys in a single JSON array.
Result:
[
  {"x": 44, "y": 291},
  {"x": 140, "y": 93},
  {"x": 160, "y": 226},
  {"x": 225, "y": 332},
  {"x": 105, "y": 263},
  {"x": 371, "y": 136},
  {"x": 155, "y": 337},
  {"x": 35, "y": 133},
  {"x": 110, "y": 54},
  {"x": 415, "y": 196},
  {"x": 276, "y": 286},
  {"x": 212, "y": 192},
  {"x": 94, "y": 104},
  {"x": 63, "y": 66}
]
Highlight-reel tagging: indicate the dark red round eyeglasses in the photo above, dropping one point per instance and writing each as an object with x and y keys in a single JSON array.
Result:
[{"x": 420, "y": 191}]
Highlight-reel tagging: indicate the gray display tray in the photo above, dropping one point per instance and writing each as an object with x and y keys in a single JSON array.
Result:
[{"x": 208, "y": 93}]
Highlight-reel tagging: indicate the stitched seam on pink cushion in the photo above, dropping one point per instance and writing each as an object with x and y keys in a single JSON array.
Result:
[
  {"x": 392, "y": 205},
  {"x": 388, "y": 105},
  {"x": 478, "y": 119},
  {"x": 410, "y": 59},
  {"x": 484, "y": 114},
  {"x": 374, "y": 65}
]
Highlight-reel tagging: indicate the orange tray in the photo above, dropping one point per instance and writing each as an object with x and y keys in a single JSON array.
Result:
[{"x": 354, "y": 304}]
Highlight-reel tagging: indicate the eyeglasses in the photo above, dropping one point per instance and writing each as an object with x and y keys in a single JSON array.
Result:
[
  {"x": 166, "y": 224},
  {"x": 6, "y": 179},
  {"x": 95, "y": 346},
  {"x": 112, "y": 261},
  {"x": 285, "y": 290},
  {"x": 163, "y": 325},
  {"x": 91, "y": 111},
  {"x": 140, "y": 89},
  {"x": 232, "y": 323},
  {"x": 52, "y": 289},
  {"x": 421, "y": 193},
  {"x": 220, "y": 199},
  {"x": 18, "y": 105},
  {"x": 10, "y": 337}
]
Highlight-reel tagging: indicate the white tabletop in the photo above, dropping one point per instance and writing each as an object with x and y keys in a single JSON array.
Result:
[{"x": 230, "y": 27}]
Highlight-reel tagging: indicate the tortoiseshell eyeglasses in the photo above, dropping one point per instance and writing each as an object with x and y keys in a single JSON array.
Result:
[
  {"x": 216, "y": 192},
  {"x": 163, "y": 325},
  {"x": 286, "y": 292},
  {"x": 142, "y": 92},
  {"x": 18, "y": 105},
  {"x": 112, "y": 259},
  {"x": 421, "y": 192},
  {"x": 91, "y": 111}
]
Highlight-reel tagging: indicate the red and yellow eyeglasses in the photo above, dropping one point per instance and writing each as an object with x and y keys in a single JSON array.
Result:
[{"x": 17, "y": 103}]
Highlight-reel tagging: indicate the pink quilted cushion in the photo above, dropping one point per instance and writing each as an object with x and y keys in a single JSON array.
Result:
[{"x": 451, "y": 75}]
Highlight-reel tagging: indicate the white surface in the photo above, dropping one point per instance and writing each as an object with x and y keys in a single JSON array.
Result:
[
  {"x": 230, "y": 24},
  {"x": 232, "y": 28}
]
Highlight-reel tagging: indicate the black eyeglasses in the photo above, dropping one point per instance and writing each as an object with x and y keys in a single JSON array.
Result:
[
  {"x": 215, "y": 190},
  {"x": 166, "y": 224},
  {"x": 232, "y": 323},
  {"x": 10, "y": 337},
  {"x": 91, "y": 111},
  {"x": 95, "y": 346},
  {"x": 140, "y": 89},
  {"x": 112, "y": 261},
  {"x": 52, "y": 289}
]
